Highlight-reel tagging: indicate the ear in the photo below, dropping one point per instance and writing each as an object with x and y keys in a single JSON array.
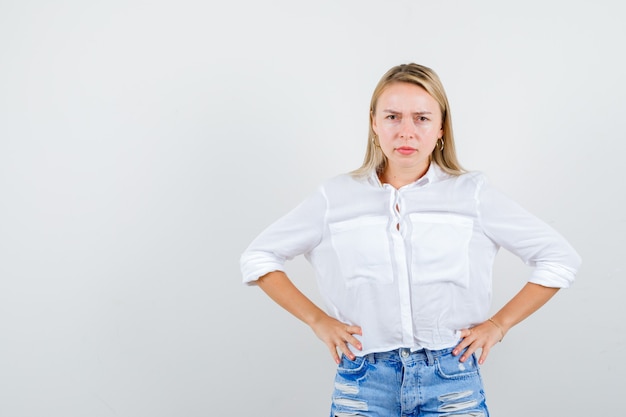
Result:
[{"x": 373, "y": 121}]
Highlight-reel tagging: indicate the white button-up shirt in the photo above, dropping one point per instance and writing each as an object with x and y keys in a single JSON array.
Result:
[{"x": 411, "y": 266}]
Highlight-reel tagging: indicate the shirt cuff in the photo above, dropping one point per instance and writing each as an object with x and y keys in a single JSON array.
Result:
[
  {"x": 255, "y": 265},
  {"x": 553, "y": 275}
]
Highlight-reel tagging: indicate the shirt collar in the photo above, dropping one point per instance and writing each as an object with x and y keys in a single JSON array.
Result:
[{"x": 433, "y": 174}]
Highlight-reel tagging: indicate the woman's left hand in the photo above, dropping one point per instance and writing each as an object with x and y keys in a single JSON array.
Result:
[{"x": 483, "y": 337}]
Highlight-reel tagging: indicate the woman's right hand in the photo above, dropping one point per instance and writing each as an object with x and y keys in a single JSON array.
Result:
[{"x": 337, "y": 335}]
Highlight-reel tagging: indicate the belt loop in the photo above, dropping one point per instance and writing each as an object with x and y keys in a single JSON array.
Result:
[
  {"x": 371, "y": 358},
  {"x": 429, "y": 357}
]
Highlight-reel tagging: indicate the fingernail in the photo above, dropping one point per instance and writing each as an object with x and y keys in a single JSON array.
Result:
[
  {"x": 455, "y": 352},
  {"x": 462, "y": 358}
]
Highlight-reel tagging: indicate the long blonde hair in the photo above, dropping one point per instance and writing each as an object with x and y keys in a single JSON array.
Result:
[{"x": 375, "y": 159}]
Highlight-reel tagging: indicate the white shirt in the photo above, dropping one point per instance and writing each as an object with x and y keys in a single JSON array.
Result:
[{"x": 411, "y": 266}]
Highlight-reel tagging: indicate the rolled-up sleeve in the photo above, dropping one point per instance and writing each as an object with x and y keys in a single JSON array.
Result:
[
  {"x": 555, "y": 262},
  {"x": 296, "y": 233}
]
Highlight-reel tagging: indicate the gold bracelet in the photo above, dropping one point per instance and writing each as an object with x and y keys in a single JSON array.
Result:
[{"x": 498, "y": 326}]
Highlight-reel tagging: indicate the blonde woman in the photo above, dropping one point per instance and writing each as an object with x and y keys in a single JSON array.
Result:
[{"x": 403, "y": 250}]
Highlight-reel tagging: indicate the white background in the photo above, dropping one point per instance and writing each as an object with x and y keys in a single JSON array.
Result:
[{"x": 143, "y": 144}]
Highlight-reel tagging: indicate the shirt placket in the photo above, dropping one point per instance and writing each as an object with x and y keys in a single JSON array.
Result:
[{"x": 398, "y": 231}]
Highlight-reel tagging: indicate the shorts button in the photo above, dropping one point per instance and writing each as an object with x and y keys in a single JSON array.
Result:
[{"x": 405, "y": 353}]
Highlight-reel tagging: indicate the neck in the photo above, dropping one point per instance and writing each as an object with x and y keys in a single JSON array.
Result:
[{"x": 399, "y": 177}]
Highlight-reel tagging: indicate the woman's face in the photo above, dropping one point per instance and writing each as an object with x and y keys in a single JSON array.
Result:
[{"x": 408, "y": 123}]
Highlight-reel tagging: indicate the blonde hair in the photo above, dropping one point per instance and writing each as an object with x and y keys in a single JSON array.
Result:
[{"x": 375, "y": 159}]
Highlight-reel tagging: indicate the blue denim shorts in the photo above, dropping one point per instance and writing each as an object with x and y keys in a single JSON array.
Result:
[{"x": 400, "y": 383}]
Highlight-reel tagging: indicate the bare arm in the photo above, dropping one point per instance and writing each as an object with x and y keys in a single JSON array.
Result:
[
  {"x": 483, "y": 336},
  {"x": 333, "y": 333}
]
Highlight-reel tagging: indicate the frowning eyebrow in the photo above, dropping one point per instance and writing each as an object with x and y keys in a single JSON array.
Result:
[{"x": 417, "y": 113}]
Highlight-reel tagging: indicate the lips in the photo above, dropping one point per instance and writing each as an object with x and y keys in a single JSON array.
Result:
[{"x": 406, "y": 150}]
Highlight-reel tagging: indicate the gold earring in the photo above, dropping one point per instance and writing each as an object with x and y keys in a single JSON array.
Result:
[{"x": 440, "y": 143}]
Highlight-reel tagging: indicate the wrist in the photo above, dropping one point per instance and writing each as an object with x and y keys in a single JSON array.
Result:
[
  {"x": 498, "y": 326},
  {"x": 315, "y": 317}
]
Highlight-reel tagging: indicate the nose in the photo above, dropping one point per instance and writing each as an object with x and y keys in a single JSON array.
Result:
[{"x": 407, "y": 129}]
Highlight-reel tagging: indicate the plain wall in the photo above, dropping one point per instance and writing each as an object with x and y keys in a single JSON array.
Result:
[{"x": 143, "y": 145}]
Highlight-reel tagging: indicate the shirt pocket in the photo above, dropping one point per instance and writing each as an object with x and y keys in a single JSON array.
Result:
[
  {"x": 440, "y": 248},
  {"x": 363, "y": 251}
]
